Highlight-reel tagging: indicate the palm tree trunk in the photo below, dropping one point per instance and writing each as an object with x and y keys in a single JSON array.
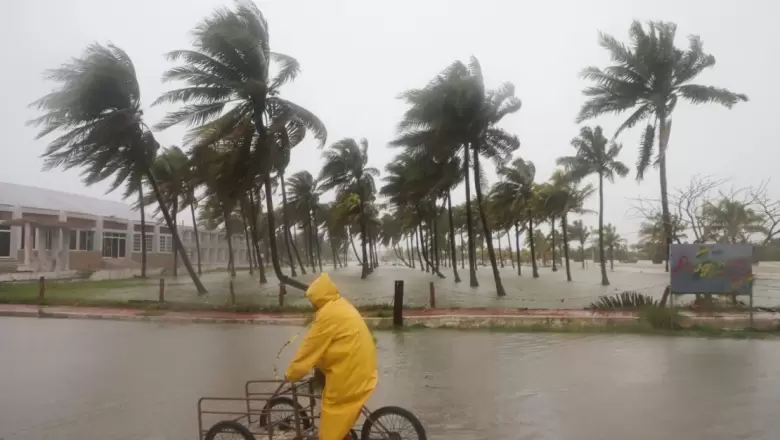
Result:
[
  {"x": 611, "y": 259},
  {"x": 354, "y": 249},
  {"x": 424, "y": 246},
  {"x": 566, "y": 246},
  {"x": 453, "y": 255},
  {"x": 317, "y": 238},
  {"x": 334, "y": 252},
  {"x": 229, "y": 236},
  {"x": 517, "y": 248},
  {"x": 286, "y": 226},
  {"x": 246, "y": 237},
  {"x": 534, "y": 268},
  {"x": 500, "y": 252},
  {"x": 416, "y": 237},
  {"x": 143, "y": 227},
  {"x": 272, "y": 240},
  {"x": 552, "y": 237},
  {"x": 604, "y": 279},
  {"x": 409, "y": 252},
  {"x": 257, "y": 211},
  {"x": 293, "y": 237},
  {"x": 462, "y": 250},
  {"x": 176, "y": 240},
  {"x": 176, "y": 231},
  {"x": 197, "y": 235},
  {"x": 667, "y": 218},
  {"x": 582, "y": 253},
  {"x": 363, "y": 236},
  {"x": 311, "y": 247},
  {"x": 486, "y": 227},
  {"x": 469, "y": 224}
]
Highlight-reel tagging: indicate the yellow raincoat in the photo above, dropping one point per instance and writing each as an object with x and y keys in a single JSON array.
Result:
[{"x": 340, "y": 344}]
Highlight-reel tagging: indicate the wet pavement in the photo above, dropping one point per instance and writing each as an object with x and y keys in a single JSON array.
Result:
[
  {"x": 549, "y": 291},
  {"x": 74, "y": 380}
]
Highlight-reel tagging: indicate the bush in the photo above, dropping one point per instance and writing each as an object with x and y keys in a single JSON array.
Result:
[
  {"x": 661, "y": 318},
  {"x": 623, "y": 300}
]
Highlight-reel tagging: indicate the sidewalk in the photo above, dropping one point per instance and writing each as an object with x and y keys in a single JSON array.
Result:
[{"x": 440, "y": 318}]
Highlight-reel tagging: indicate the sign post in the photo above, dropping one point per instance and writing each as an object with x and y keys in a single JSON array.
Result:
[{"x": 720, "y": 269}]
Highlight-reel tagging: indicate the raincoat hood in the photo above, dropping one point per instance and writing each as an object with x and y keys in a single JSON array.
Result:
[{"x": 322, "y": 291}]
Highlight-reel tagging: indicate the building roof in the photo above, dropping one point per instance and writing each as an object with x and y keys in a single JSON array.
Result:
[{"x": 41, "y": 198}]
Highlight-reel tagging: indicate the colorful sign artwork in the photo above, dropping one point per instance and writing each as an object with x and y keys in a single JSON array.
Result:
[{"x": 711, "y": 268}]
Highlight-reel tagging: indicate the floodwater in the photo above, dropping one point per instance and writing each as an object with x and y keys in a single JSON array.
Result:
[
  {"x": 75, "y": 380},
  {"x": 549, "y": 291}
]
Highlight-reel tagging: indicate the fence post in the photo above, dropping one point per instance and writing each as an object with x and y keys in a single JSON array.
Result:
[
  {"x": 282, "y": 292},
  {"x": 398, "y": 304},
  {"x": 41, "y": 288},
  {"x": 161, "y": 298},
  {"x": 432, "y": 291}
]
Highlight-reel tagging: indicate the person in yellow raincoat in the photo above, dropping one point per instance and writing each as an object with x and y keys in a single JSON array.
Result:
[{"x": 341, "y": 346}]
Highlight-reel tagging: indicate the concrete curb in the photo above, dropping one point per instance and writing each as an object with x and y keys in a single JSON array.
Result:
[{"x": 447, "y": 319}]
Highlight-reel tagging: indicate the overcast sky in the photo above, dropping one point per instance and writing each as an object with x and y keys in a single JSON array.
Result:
[{"x": 357, "y": 55}]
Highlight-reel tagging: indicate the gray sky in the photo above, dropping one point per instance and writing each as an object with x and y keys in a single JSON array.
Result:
[{"x": 357, "y": 55}]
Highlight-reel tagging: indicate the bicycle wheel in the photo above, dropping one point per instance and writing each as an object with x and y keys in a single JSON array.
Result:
[
  {"x": 228, "y": 430},
  {"x": 392, "y": 423},
  {"x": 280, "y": 412}
]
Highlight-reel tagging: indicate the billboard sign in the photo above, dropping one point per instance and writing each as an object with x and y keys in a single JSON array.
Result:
[{"x": 711, "y": 268}]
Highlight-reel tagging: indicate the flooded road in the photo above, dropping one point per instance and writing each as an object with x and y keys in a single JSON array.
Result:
[{"x": 76, "y": 380}]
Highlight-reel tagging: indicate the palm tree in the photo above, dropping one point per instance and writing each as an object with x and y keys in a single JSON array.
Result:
[
  {"x": 595, "y": 155},
  {"x": 304, "y": 199},
  {"x": 135, "y": 186},
  {"x": 516, "y": 193},
  {"x": 171, "y": 169},
  {"x": 97, "y": 111},
  {"x": 455, "y": 111},
  {"x": 732, "y": 221},
  {"x": 648, "y": 77},
  {"x": 612, "y": 241},
  {"x": 652, "y": 235},
  {"x": 580, "y": 232},
  {"x": 565, "y": 197},
  {"x": 229, "y": 87},
  {"x": 346, "y": 169}
]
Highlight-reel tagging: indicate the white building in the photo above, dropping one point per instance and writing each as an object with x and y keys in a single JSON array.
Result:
[{"x": 42, "y": 230}]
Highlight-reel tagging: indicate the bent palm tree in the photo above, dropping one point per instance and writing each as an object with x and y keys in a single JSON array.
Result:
[
  {"x": 229, "y": 86},
  {"x": 97, "y": 111},
  {"x": 648, "y": 78},
  {"x": 581, "y": 233},
  {"x": 516, "y": 192},
  {"x": 595, "y": 155},
  {"x": 346, "y": 170}
]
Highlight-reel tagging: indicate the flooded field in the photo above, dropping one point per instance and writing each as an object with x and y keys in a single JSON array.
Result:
[
  {"x": 75, "y": 380},
  {"x": 550, "y": 290}
]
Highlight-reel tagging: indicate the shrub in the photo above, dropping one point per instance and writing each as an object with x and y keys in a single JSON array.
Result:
[
  {"x": 623, "y": 300},
  {"x": 661, "y": 318}
]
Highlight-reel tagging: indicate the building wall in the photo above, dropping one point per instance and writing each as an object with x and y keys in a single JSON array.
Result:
[
  {"x": 110, "y": 224},
  {"x": 85, "y": 260},
  {"x": 213, "y": 243},
  {"x": 155, "y": 260}
]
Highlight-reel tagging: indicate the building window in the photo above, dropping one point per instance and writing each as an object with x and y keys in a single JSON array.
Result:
[
  {"x": 166, "y": 243},
  {"x": 48, "y": 239},
  {"x": 5, "y": 241},
  {"x": 73, "y": 240},
  {"x": 86, "y": 240},
  {"x": 114, "y": 244},
  {"x": 24, "y": 235},
  {"x": 137, "y": 242}
]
